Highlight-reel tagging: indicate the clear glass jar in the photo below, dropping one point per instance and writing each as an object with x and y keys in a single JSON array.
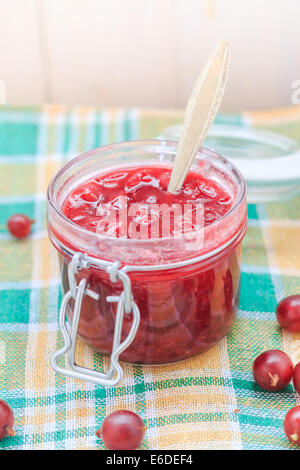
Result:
[{"x": 187, "y": 298}]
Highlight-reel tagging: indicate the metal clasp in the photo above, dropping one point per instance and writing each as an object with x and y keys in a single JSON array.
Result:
[{"x": 126, "y": 305}]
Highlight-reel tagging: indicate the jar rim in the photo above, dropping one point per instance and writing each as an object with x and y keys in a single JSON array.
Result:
[{"x": 239, "y": 197}]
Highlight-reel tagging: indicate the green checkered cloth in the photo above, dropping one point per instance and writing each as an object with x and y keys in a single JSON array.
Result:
[{"x": 208, "y": 402}]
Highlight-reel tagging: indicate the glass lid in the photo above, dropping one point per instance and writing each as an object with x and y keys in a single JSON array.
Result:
[{"x": 269, "y": 162}]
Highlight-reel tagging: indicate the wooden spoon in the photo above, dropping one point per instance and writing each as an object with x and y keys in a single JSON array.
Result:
[{"x": 200, "y": 112}]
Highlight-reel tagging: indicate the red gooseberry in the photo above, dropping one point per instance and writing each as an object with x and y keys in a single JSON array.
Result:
[
  {"x": 122, "y": 430},
  {"x": 292, "y": 425},
  {"x": 273, "y": 370},
  {"x": 19, "y": 225},
  {"x": 296, "y": 378},
  {"x": 6, "y": 420},
  {"x": 288, "y": 313}
]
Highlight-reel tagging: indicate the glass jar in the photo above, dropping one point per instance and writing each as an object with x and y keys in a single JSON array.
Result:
[{"x": 187, "y": 298}]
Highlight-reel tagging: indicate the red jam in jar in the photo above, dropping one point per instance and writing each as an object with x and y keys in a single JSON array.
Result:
[
  {"x": 189, "y": 298},
  {"x": 103, "y": 197}
]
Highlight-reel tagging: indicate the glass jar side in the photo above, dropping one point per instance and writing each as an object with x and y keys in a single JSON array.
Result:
[{"x": 184, "y": 311}]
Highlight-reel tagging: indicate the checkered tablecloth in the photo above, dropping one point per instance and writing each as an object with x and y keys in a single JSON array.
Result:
[{"x": 208, "y": 402}]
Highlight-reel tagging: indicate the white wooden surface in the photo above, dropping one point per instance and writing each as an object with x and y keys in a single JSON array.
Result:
[
  {"x": 146, "y": 52},
  {"x": 20, "y": 54}
]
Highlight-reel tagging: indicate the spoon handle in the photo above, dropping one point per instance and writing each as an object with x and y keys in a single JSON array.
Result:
[{"x": 200, "y": 112}]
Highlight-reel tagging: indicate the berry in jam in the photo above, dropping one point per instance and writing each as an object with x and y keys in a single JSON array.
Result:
[{"x": 102, "y": 199}]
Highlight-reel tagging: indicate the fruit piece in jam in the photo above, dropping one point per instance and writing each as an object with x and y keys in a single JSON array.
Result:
[
  {"x": 104, "y": 197},
  {"x": 183, "y": 311}
]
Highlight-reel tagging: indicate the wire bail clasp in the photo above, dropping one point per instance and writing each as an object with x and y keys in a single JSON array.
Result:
[{"x": 126, "y": 305}]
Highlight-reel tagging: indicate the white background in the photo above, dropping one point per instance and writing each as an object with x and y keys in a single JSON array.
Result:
[{"x": 147, "y": 52}]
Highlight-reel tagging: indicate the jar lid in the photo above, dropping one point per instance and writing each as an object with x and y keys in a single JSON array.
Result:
[{"x": 269, "y": 162}]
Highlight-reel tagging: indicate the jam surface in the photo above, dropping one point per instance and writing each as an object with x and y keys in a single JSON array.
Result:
[
  {"x": 184, "y": 311},
  {"x": 96, "y": 204}
]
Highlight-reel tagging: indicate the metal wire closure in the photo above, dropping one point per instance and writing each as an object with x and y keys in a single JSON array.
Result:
[{"x": 126, "y": 305}]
